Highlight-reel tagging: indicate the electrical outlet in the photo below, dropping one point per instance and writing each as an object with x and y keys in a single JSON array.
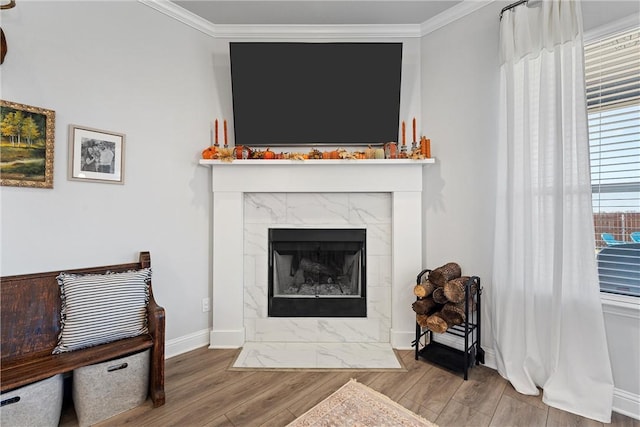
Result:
[{"x": 206, "y": 306}]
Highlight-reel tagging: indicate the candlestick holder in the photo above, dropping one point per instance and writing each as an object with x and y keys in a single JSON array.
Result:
[
  {"x": 403, "y": 152},
  {"x": 414, "y": 145}
]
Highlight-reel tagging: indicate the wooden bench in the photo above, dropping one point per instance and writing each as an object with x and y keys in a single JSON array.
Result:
[{"x": 30, "y": 316}]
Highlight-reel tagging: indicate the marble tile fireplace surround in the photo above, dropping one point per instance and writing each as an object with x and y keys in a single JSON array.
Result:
[{"x": 384, "y": 197}]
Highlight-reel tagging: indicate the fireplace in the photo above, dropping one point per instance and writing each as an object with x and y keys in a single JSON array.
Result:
[
  {"x": 317, "y": 272},
  {"x": 250, "y": 197}
]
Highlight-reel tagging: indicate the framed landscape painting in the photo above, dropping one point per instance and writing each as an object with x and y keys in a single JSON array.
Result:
[{"x": 26, "y": 145}]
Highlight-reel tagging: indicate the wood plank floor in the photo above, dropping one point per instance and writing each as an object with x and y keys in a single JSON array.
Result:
[{"x": 202, "y": 391}]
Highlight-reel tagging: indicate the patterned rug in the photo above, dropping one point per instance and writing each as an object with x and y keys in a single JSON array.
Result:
[{"x": 356, "y": 405}]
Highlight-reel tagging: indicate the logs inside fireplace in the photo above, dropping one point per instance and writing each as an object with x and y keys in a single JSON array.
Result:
[{"x": 317, "y": 272}]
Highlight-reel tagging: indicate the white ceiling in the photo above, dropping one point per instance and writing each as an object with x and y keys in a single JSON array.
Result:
[{"x": 316, "y": 12}]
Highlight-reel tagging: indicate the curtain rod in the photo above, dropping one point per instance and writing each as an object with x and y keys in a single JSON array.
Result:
[{"x": 511, "y": 6}]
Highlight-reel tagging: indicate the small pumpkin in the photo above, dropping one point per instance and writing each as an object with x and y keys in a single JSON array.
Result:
[
  {"x": 210, "y": 153},
  {"x": 379, "y": 153},
  {"x": 326, "y": 155},
  {"x": 269, "y": 155},
  {"x": 335, "y": 154}
]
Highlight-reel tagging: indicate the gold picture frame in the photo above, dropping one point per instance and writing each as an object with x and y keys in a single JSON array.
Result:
[
  {"x": 96, "y": 155},
  {"x": 27, "y": 136}
]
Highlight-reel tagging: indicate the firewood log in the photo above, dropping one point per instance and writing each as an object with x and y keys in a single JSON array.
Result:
[
  {"x": 453, "y": 313},
  {"x": 423, "y": 306},
  {"x": 436, "y": 323},
  {"x": 439, "y": 296},
  {"x": 454, "y": 289},
  {"x": 442, "y": 275},
  {"x": 421, "y": 319},
  {"x": 423, "y": 289}
]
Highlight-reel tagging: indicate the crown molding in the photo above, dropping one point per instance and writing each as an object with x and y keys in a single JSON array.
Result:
[
  {"x": 452, "y": 14},
  {"x": 610, "y": 28},
  {"x": 315, "y": 31},
  {"x": 181, "y": 14}
]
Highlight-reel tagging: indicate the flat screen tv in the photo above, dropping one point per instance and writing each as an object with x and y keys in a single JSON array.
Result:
[{"x": 287, "y": 94}]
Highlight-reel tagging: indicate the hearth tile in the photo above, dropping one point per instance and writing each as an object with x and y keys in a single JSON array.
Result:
[
  {"x": 265, "y": 207},
  {"x": 256, "y": 239},
  {"x": 379, "y": 239},
  {"x": 275, "y": 355},
  {"x": 317, "y": 208},
  {"x": 317, "y": 355},
  {"x": 357, "y": 355},
  {"x": 348, "y": 330},
  {"x": 369, "y": 208},
  {"x": 379, "y": 303},
  {"x": 286, "y": 329}
]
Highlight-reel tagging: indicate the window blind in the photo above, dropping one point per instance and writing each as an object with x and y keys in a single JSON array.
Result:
[{"x": 612, "y": 71}]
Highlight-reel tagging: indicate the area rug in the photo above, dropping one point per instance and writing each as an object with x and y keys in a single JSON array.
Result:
[{"x": 356, "y": 405}]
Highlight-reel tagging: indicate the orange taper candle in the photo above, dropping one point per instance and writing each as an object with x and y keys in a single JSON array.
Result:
[
  {"x": 225, "y": 132},
  {"x": 216, "y": 131},
  {"x": 403, "y": 133},
  {"x": 414, "y": 130}
]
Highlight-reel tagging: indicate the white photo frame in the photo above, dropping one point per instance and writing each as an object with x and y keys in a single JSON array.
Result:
[{"x": 96, "y": 155}]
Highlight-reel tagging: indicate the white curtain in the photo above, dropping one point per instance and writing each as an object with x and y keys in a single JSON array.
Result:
[{"x": 546, "y": 312}]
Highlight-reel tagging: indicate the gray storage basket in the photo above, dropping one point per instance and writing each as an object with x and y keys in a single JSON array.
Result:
[
  {"x": 106, "y": 389},
  {"x": 34, "y": 405}
]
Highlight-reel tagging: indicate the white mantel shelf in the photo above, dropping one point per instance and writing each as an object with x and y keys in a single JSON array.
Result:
[
  {"x": 317, "y": 175},
  {"x": 230, "y": 181},
  {"x": 350, "y": 162}
]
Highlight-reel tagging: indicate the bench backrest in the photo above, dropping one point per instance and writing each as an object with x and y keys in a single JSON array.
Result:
[{"x": 30, "y": 310}]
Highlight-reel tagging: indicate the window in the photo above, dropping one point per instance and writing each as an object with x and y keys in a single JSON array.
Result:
[{"x": 612, "y": 69}]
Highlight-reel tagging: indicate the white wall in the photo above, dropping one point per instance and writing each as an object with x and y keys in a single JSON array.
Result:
[
  {"x": 459, "y": 110},
  {"x": 123, "y": 67},
  {"x": 460, "y": 84}
]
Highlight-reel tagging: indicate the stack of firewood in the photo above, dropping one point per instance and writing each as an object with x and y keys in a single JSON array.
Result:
[{"x": 441, "y": 298}]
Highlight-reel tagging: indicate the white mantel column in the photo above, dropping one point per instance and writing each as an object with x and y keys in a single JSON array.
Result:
[
  {"x": 406, "y": 234},
  {"x": 228, "y": 270}
]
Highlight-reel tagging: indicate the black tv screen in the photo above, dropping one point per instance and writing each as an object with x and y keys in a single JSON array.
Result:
[{"x": 315, "y": 93}]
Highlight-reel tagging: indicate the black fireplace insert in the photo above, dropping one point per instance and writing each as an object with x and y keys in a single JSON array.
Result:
[{"x": 317, "y": 272}]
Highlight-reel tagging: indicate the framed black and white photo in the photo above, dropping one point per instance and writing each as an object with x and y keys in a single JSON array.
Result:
[{"x": 96, "y": 155}]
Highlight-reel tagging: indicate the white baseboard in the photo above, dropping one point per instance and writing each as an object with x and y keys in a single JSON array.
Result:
[
  {"x": 626, "y": 403},
  {"x": 401, "y": 340},
  {"x": 186, "y": 343},
  {"x": 226, "y": 338}
]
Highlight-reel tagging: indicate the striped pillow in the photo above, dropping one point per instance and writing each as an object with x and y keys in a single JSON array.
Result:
[{"x": 100, "y": 308}]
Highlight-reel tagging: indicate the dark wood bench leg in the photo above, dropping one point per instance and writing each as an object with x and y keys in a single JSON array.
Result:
[{"x": 156, "y": 376}]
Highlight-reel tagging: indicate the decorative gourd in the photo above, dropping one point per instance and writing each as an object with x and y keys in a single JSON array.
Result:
[
  {"x": 326, "y": 155},
  {"x": 335, "y": 154},
  {"x": 369, "y": 153},
  {"x": 379, "y": 153},
  {"x": 315, "y": 154},
  {"x": 269, "y": 155},
  {"x": 210, "y": 153},
  {"x": 391, "y": 150}
]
